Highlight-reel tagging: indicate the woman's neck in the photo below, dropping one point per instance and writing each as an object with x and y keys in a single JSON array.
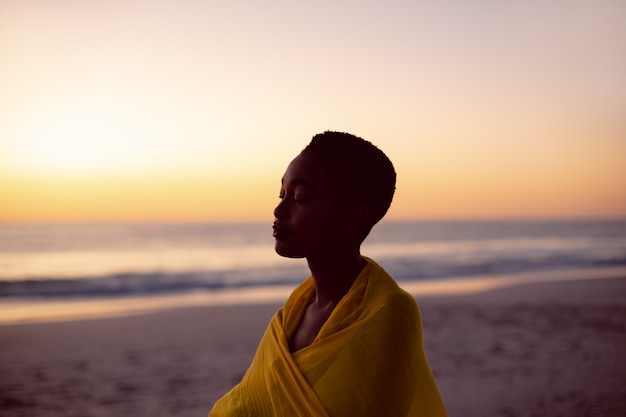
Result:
[{"x": 333, "y": 275}]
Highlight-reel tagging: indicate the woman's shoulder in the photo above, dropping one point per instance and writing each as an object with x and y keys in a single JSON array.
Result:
[{"x": 387, "y": 294}]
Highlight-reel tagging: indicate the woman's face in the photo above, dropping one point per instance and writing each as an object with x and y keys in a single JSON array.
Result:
[{"x": 309, "y": 220}]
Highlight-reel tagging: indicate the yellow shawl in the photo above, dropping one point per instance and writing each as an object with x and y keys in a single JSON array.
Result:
[{"x": 367, "y": 360}]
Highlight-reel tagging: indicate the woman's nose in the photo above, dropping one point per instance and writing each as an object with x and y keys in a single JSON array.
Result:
[{"x": 279, "y": 211}]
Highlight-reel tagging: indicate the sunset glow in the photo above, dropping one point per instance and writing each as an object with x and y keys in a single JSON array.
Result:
[{"x": 190, "y": 111}]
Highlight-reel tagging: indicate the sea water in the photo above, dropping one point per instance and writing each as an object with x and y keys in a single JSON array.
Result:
[
  {"x": 64, "y": 262},
  {"x": 117, "y": 259}
]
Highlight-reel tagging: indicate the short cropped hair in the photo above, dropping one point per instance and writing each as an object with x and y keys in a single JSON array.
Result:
[{"x": 370, "y": 178}]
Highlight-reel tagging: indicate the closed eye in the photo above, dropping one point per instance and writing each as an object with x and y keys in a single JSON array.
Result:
[{"x": 295, "y": 199}]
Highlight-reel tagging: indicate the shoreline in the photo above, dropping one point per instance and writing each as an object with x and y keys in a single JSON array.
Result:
[
  {"x": 16, "y": 311},
  {"x": 542, "y": 348}
]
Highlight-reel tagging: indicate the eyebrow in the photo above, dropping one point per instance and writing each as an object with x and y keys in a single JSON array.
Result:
[{"x": 299, "y": 182}]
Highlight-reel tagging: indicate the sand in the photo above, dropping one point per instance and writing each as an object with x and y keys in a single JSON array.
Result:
[{"x": 541, "y": 349}]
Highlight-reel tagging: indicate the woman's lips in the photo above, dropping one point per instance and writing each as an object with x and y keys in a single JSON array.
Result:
[{"x": 280, "y": 231}]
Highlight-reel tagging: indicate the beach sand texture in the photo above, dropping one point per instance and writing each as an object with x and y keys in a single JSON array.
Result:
[{"x": 541, "y": 349}]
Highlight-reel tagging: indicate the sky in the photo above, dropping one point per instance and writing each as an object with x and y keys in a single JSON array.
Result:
[{"x": 191, "y": 110}]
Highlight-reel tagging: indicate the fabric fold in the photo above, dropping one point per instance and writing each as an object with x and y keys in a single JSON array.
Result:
[{"x": 367, "y": 359}]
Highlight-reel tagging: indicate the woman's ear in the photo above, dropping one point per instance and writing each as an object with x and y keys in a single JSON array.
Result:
[{"x": 355, "y": 218}]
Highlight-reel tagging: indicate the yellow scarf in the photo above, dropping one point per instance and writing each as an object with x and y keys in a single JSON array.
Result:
[{"x": 367, "y": 359}]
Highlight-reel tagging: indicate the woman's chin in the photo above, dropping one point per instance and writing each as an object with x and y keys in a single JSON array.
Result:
[{"x": 286, "y": 252}]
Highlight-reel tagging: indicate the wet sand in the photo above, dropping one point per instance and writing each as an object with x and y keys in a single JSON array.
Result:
[{"x": 540, "y": 349}]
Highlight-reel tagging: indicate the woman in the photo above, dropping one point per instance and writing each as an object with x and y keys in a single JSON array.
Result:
[{"x": 348, "y": 341}]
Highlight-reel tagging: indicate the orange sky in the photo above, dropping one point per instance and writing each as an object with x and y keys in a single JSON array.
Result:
[{"x": 190, "y": 111}]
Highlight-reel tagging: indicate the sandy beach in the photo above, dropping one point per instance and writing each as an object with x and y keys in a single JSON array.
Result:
[{"x": 539, "y": 349}]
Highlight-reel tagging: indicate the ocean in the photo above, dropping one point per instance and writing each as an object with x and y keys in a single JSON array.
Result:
[{"x": 69, "y": 261}]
